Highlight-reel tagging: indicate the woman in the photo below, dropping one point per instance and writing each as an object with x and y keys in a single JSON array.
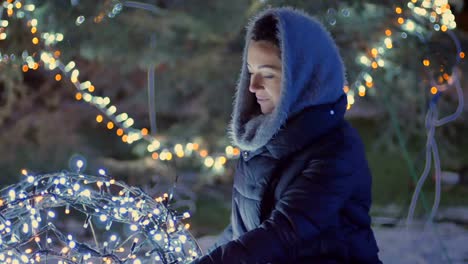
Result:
[{"x": 302, "y": 188}]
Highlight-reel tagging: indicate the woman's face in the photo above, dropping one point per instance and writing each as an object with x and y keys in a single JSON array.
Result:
[{"x": 265, "y": 68}]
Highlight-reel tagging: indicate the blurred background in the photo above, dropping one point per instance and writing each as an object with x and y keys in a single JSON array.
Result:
[{"x": 144, "y": 89}]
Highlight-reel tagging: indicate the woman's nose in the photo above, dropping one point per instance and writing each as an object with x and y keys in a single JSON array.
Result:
[{"x": 254, "y": 83}]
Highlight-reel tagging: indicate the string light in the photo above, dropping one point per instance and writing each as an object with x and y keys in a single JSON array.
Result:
[
  {"x": 437, "y": 13},
  {"x": 146, "y": 230}
]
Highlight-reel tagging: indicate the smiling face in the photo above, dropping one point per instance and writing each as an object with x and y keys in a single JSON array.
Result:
[{"x": 265, "y": 69}]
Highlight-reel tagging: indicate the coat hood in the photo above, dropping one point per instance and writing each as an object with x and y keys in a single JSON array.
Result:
[{"x": 312, "y": 74}]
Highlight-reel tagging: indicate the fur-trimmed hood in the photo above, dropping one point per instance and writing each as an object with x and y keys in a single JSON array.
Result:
[{"x": 312, "y": 74}]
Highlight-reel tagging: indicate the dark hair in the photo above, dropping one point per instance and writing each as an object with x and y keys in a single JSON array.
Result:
[{"x": 266, "y": 29}]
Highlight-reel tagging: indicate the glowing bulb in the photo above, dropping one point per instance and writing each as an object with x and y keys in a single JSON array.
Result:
[
  {"x": 381, "y": 63},
  {"x": 65, "y": 250},
  {"x": 29, "y": 7},
  {"x": 229, "y": 150},
  {"x": 12, "y": 195},
  {"x": 110, "y": 125},
  {"x": 30, "y": 179},
  {"x": 25, "y": 228},
  {"x": 86, "y": 193},
  {"x": 35, "y": 223},
  {"x": 128, "y": 123},
  {"x": 209, "y": 162},
  {"x": 121, "y": 117},
  {"x": 70, "y": 66},
  {"x": 74, "y": 76},
  {"x": 178, "y": 147},
  {"x": 112, "y": 109},
  {"x": 79, "y": 20},
  {"x": 87, "y": 97}
]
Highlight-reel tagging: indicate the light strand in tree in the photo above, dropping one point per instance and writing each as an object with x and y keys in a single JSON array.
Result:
[
  {"x": 440, "y": 18},
  {"x": 121, "y": 122},
  {"x": 438, "y": 13}
]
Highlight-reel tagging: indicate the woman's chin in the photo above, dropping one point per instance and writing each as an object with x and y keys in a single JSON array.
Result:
[{"x": 266, "y": 111}]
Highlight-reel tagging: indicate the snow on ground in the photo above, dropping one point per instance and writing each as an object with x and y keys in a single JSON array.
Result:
[{"x": 397, "y": 245}]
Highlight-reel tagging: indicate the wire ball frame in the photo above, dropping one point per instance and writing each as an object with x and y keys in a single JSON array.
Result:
[{"x": 120, "y": 224}]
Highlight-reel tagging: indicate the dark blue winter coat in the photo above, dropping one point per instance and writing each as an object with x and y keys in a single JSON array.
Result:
[{"x": 302, "y": 187}]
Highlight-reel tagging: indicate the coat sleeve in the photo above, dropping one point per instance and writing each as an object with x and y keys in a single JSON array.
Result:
[
  {"x": 308, "y": 207},
  {"x": 223, "y": 238}
]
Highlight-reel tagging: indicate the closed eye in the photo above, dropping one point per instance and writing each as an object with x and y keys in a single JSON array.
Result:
[{"x": 271, "y": 76}]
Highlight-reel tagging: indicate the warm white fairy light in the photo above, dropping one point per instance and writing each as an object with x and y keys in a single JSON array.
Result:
[
  {"x": 30, "y": 222},
  {"x": 85, "y": 89},
  {"x": 436, "y": 12}
]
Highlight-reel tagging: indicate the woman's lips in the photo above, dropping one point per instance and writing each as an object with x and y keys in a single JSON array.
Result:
[{"x": 261, "y": 100}]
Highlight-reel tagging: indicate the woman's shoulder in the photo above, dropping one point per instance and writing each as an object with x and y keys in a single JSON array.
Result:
[
  {"x": 337, "y": 152},
  {"x": 337, "y": 143}
]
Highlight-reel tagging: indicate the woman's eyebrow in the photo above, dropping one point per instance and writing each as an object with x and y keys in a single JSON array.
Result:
[{"x": 266, "y": 66}]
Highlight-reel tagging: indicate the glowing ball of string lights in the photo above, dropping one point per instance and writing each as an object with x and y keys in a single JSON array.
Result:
[{"x": 70, "y": 217}]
